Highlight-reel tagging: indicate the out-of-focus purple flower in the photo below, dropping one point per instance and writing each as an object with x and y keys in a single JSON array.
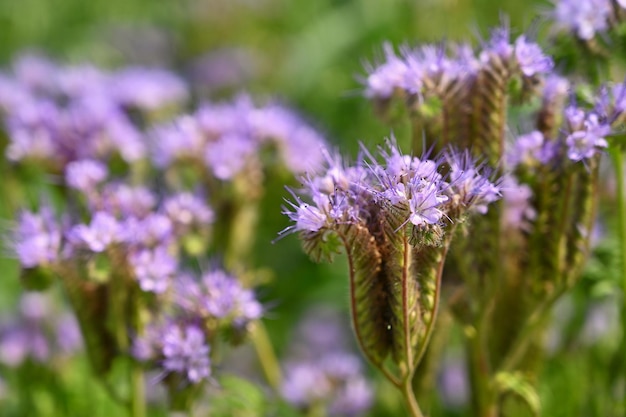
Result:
[
  {"x": 12, "y": 94},
  {"x": 468, "y": 185},
  {"x": 153, "y": 230},
  {"x": 103, "y": 231},
  {"x": 555, "y": 88},
  {"x": 353, "y": 399},
  {"x": 518, "y": 211},
  {"x": 124, "y": 200},
  {"x": 175, "y": 347},
  {"x": 584, "y": 17},
  {"x": 85, "y": 175},
  {"x": 32, "y": 129},
  {"x": 35, "y": 71},
  {"x": 228, "y": 155},
  {"x": 323, "y": 372},
  {"x": 453, "y": 382},
  {"x": 386, "y": 77},
  {"x": 187, "y": 211},
  {"x": 178, "y": 140},
  {"x": 218, "y": 295},
  {"x": 530, "y": 149},
  {"x": 148, "y": 88},
  {"x": 498, "y": 44},
  {"x": 221, "y": 119},
  {"x": 154, "y": 269},
  {"x": 304, "y": 384},
  {"x": 37, "y": 238},
  {"x": 185, "y": 351},
  {"x": 34, "y": 306},
  {"x": 531, "y": 58},
  {"x": 585, "y": 143},
  {"x": 68, "y": 336},
  {"x": 20, "y": 342}
]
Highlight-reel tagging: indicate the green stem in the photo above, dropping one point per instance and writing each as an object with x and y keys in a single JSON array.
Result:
[
  {"x": 137, "y": 392},
  {"x": 409, "y": 398},
  {"x": 618, "y": 162},
  {"x": 479, "y": 374},
  {"x": 267, "y": 357}
]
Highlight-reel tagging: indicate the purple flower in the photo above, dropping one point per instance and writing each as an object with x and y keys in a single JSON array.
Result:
[
  {"x": 178, "y": 140},
  {"x": 32, "y": 129},
  {"x": 584, "y": 144},
  {"x": 531, "y": 58},
  {"x": 585, "y": 17},
  {"x": 305, "y": 384},
  {"x": 103, "y": 231},
  {"x": 187, "y": 211},
  {"x": 518, "y": 211},
  {"x": 425, "y": 199},
  {"x": 468, "y": 185},
  {"x": 153, "y": 230},
  {"x": 185, "y": 351},
  {"x": 148, "y": 88},
  {"x": 37, "y": 238},
  {"x": 499, "y": 44},
  {"x": 228, "y": 155},
  {"x": 68, "y": 336},
  {"x": 124, "y": 200},
  {"x": 19, "y": 342},
  {"x": 218, "y": 295},
  {"x": 384, "y": 79},
  {"x": 85, "y": 175},
  {"x": 154, "y": 268},
  {"x": 530, "y": 149},
  {"x": 453, "y": 382}
]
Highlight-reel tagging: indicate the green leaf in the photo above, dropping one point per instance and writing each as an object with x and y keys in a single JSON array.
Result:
[{"x": 518, "y": 385}]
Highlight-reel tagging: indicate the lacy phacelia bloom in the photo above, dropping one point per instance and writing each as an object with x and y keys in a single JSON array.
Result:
[
  {"x": 180, "y": 348},
  {"x": 103, "y": 231},
  {"x": 37, "y": 332},
  {"x": 226, "y": 137},
  {"x": 585, "y": 143},
  {"x": 218, "y": 295},
  {"x": 37, "y": 239},
  {"x": 410, "y": 183},
  {"x": 386, "y": 77},
  {"x": 584, "y": 17},
  {"x": 185, "y": 351},
  {"x": 434, "y": 69},
  {"x": 187, "y": 212},
  {"x": 85, "y": 175},
  {"x": 518, "y": 211},
  {"x": 530, "y": 149},
  {"x": 531, "y": 58},
  {"x": 148, "y": 88},
  {"x": 153, "y": 268},
  {"x": 322, "y": 371}
]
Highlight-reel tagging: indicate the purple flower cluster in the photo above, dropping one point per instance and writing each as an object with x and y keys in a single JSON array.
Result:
[
  {"x": 220, "y": 296},
  {"x": 38, "y": 332},
  {"x": 62, "y": 114},
  {"x": 179, "y": 348},
  {"x": 152, "y": 235},
  {"x": 227, "y": 138},
  {"x": 323, "y": 372},
  {"x": 584, "y": 17},
  {"x": 346, "y": 195},
  {"x": 429, "y": 66}
]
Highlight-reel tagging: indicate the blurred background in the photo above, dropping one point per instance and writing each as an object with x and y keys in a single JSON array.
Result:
[{"x": 309, "y": 55}]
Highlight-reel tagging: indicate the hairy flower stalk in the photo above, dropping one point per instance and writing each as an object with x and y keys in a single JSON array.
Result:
[
  {"x": 395, "y": 222},
  {"x": 530, "y": 247}
]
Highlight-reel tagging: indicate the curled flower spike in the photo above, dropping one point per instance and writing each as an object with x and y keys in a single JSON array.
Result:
[{"x": 394, "y": 220}]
